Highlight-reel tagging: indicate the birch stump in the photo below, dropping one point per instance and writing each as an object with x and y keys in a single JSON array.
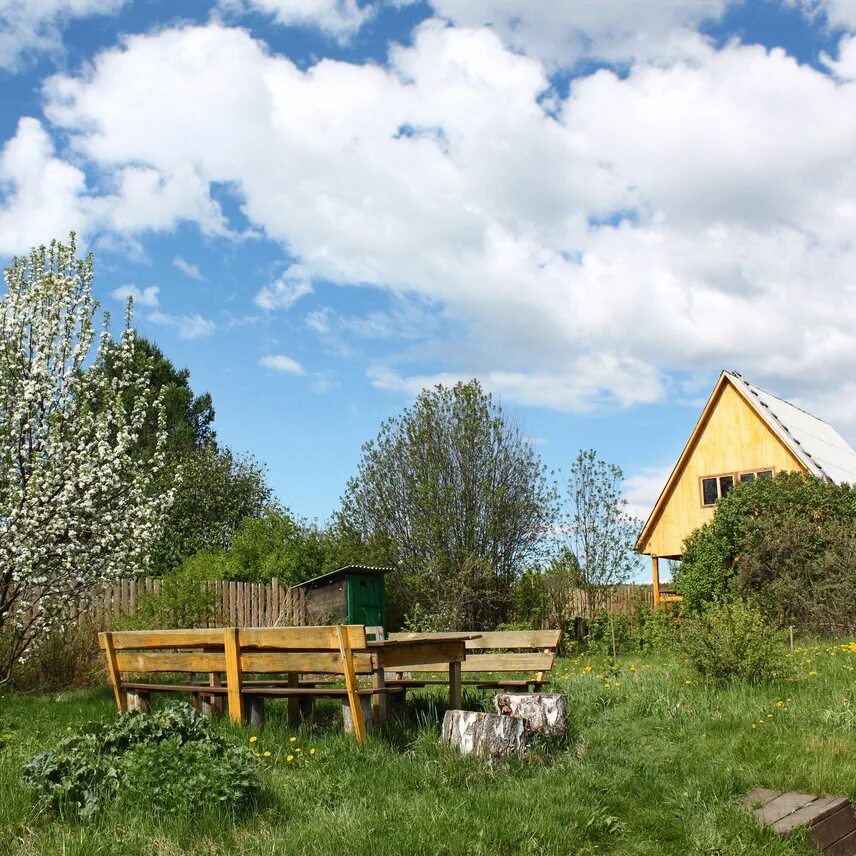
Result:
[
  {"x": 546, "y": 713},
  {"x": 486, "y": 735}
]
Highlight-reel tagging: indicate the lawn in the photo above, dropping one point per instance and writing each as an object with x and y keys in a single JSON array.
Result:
[{"x": 657, "y": 765}]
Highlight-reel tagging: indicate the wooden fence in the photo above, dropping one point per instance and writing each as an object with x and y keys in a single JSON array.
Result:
[
  {"x": 271, "y": 604},
  {"x": 235, "y": 604}
]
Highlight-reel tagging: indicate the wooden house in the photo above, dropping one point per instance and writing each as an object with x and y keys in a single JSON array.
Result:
[
  {"x": 355, "y": 594},
  {"x": 743, "y": 433}
]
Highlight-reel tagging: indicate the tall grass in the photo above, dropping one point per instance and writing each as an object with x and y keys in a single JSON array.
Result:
[{"x": 657, "y": 766}]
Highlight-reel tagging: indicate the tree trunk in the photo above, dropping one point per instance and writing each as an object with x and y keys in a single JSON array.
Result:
[
  {"x": 486, "y": 735},
  {"x": 546, "y": 713}
]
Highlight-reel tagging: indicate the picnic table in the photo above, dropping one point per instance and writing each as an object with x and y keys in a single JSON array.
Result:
[{"x": 405, "y": 654}]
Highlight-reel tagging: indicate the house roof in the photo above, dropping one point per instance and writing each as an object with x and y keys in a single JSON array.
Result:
[{"x": 817, "y": 445}]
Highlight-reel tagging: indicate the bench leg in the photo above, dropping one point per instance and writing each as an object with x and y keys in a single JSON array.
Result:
[
  {"x": 293, "y": 701},
  {"x": 348, "y": 720},
  {"x": 379, "y": 709},
  {"x": 254, "y": 710},
  {"x": 306, "y": 706},
  {"x": 138, "y": 700},
  {"x": 455, "y": 689},
  {"x": 395, "y": 704}
]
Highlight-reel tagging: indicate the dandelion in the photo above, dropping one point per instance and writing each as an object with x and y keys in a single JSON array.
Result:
[
  {"x": 289, "y": 759},
  {"x": 812, "y": 673},
  {"x": 754, "y": 725},
  {"x": 292, "y": 740},
  {"x": 253, "y": 739},
  {"x": 298, "y": 749},
  {"x": 266, "y": 754},
  {"x": 311, "y": 751}
]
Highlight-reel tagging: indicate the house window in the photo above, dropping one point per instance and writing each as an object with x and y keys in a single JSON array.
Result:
[{"x": 715, "y": 487}]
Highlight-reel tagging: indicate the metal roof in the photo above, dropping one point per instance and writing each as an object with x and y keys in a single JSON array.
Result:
[
  {"x": 818, "y": 445},
  {"x": 348, "y": 569}
]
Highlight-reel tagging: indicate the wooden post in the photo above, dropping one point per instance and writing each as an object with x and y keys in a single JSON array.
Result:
[
  {"x": 455, "y": 694},
  {"x": 293, "y": 701},
  {"x": 791, "y": 637},
  {"x": 256, "y": 711},
  {"x": 655, "y": 579},
  {"x": 232, "y": 646},
  {"x": 344, "y": 632},
  {"x": 379, "y": 700},
  {"x": 113, "y": 672}
]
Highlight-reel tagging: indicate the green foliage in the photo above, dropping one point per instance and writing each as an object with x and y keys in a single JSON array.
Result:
[
  {"x": 457, "y": 495},
  {"x": 730, "y": 640},
  {"x": 172, "y": 761},
  {"x": 659, "y": 629},
  {"x": 217, "y": 492},
  {"x": 789, "y": 542},
  {"x": 187, "y": 597}
]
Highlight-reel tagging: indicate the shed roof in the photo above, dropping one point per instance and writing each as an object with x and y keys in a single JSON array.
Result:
[{"x": 348, "y": 569}]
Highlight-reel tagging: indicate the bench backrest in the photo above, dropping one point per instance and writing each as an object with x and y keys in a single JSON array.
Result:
[
  {"x": 500, "y": 651},
  {"x": 260, "y": 650}
]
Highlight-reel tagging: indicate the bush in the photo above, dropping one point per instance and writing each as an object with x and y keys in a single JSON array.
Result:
[
  {"x": 788, "y": 543},
  {"x": 171, "y": 761},
  {"x": 730, "y": 640},
  {"x": 659, "y": 629}
]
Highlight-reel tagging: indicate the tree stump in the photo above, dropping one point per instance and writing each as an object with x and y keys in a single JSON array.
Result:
[
  {"x": 489, "y": 736},
  {"x": 138, "y": 700},
  {"x": 546, "y": 713}
]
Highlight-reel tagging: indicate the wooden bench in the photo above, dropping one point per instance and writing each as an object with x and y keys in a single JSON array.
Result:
[
  {"x": 493, "y": 653},
  {"x": 231, "y": 653}
]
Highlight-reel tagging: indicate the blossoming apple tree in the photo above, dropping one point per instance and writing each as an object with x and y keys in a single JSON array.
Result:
[{"x": 78, "y": 504}]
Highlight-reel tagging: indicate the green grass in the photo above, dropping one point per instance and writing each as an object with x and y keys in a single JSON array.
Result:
[{"x": 657, "y": 765}]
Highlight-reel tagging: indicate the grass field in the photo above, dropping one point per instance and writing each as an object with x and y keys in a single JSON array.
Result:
[{"x": 657, "y": 766}]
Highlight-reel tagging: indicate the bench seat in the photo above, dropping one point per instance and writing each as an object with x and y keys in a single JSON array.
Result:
[{"x": 205, "y": 689}]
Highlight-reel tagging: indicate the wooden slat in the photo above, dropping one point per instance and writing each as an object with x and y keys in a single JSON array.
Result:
[
  {"x": 114, "y": 671},
  {"x": 298, "y": 638},
  {"x": 832, "y": 828},
  {"x": 416, "y": 654},
  {"x": 232, "y": 647},
  {"x": 307, "y": 662},
  {"x": 814, "y": 812},
  {"x": 345, "y": 644},
  {"x": 495, "y": 663},
  {"x": 504, "y": 639},
  {"x": 163, "y": 661},
  {"x": 782, "y": 806},
  {"x": 166, "y": 638}
]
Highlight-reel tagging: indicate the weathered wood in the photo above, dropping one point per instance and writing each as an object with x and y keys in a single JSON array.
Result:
[
  {"x": 494, "y": 663},
  {"x": 113, "y": 670},
  {"x": 546, "y": 713},
  {"x": 781, "y": 806},
  {"x": 814, "y": 812},
  {"x": 170, "y": 661},
  {"x": 233, "y": 673},
  {"x": 254, "y": 711},
  {"x": 455, "y": 689},
  {"x": 365, "y": 714},
  {"x": 485, "y": 735},
  {"x": 359, "y": 721},
  {"x": 822, "y": 834}
]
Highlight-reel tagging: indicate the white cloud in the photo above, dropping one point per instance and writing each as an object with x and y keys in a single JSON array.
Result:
[
  {"x": 339, "y": 19},
  {"x": 281, "y": 363},
  {"x": 643, "y": 488},
  {"x": 683, "y": 216},
  {"x": 563, "y": 33},
  {"x": 839, "y": 13},
  {"x": 187, "y": 326},
  {"x": 286, "y": 291},
  {"x": 187, "y": 268},
  {"x": 29, "y": 26},
  {"x": 142, "y": 297}
]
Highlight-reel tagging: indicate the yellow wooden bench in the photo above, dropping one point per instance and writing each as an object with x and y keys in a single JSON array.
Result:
[
  {"x": 492, "y": 653},
  {"x": 233, "y": 653}
]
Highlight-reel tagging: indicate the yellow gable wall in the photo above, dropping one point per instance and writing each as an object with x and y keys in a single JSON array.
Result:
[{"x": 735, "y": 438}]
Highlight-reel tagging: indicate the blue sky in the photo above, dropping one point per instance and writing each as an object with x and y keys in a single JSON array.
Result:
[{"x": 324, "y": 205}]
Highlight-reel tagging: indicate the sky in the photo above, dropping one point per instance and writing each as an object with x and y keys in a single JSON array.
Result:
[{"x": 322, "y": 206}]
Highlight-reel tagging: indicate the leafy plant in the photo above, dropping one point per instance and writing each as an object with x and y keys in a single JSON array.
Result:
[
  {"x": 730, "y": 640},
  {"x": 171, "y": 761}
]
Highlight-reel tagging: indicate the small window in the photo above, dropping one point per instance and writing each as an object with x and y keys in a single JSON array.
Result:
[
  {"x": 709, "y": 492},
  {"x": 765, "y": 474},
  {"x": 747, "y": 477},
  {"x": 725, "y": 485}
]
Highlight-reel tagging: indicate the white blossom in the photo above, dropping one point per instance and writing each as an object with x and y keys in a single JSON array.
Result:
[{"x": 78, "y": 506}]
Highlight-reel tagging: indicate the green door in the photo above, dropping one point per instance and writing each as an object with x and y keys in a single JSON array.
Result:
[{"x": 367, "y": 600}]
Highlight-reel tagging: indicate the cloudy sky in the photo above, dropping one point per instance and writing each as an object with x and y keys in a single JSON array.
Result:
[{"x": 322, "y": 206}]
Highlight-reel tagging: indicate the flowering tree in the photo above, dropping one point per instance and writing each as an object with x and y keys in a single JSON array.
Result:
[{"x": 77, "y": 504}]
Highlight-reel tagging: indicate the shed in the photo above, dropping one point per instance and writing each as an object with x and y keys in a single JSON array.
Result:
[
  {"x": 744, "y": 433},
  {"x": 355, "y": 594}
]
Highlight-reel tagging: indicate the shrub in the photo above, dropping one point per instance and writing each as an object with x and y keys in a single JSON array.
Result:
[
  {"x": 730, "y": 640},
  {"x": 170, "y": 761},
  {"x": 659, "y": 629},
  {"x": 788, "y": 543}
]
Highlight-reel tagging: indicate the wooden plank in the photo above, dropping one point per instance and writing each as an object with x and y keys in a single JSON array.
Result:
[
  {"x": 758, "y": 797},
  {"x": 232, "y": 645},
  {"x": 484, "y": 663},
  {"x": 832, "y": 828},
  {"x": 812, "y": 813},
  {"x": 114, "y": 672},
  {"x": 345, "y": 640},
  {"x": 306, "y": 662},
  {"x": 843, "y": 847},
  {"x": 504, "y": 639},
  {"x": 391, "y": 654},
  {"x": 168, "y": 661},
  {"x": 455, "y": 693},
  {"x": 294, "y": 638},
  {"x": 141, "y": 639},
  {"x": 782, "y": 806}
]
